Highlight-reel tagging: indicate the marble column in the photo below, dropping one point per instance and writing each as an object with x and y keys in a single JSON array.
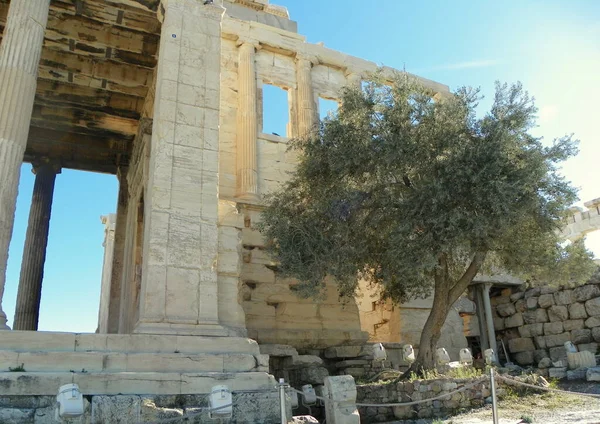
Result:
[
  {"x": 109, "y": 222},
  {"x": 118, "y": 257},
  {"x": 19, "y": 57},
  {"x": 247, "y": 125},
  {"x": 489, "y": 319},
  {"x": 307, "y": 111},
  {"x": 27, "y": 311}
]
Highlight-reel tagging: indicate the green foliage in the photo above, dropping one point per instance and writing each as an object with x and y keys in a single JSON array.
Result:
[
  {"x": 526, "y": 419},
  {"x": 20, "y": 368},
  {"x": 403, "y": 191},
  {"x": 458, "y": 373}
]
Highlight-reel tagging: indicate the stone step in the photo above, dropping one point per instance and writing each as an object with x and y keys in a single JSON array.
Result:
[
  {"x": 131, "y": 383},
  {"x": 42, "y": 341},
  {"x": 130, "y": 362}
]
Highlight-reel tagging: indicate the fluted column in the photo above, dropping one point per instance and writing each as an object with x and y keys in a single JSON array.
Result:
[
  {"x": 118, "y": 259},
  {"x": 19, "y": 58},
  {"x": 247, "y": 126},
  {"x": 307, "y": 111},
  {"x": 29, "y": 295}
]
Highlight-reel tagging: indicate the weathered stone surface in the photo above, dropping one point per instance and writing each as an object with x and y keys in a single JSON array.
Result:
[
  {"x": 540, "y": 342},
  {"x": 531, "y": 330},
  {"x": 589, "y": 347},
  {"x": 513, "y": 321},
  {"x": 523, "y": 344},
  {"x": 13, "y": 415},
  {"x": 547, "y": 290},
  {"x": 587, "y": 292},
  {"x": 27, "y": 402},
  {"x": 593, "y": 306},
  {"x": 581, "y": 336},
  {"x": 116, "y": 409},
  {"x": 278, "y": 350},
  {"x": 593, "y": 374},
  {"x": 532, "y": 303},
  {"x": 539, "y": 354},
  {"x": 351, "y": 363},
  {"x": 563, "y": 297},
  {"x": 583, "y": 359},
  {"x": 524, "y": 358},
  {"x": 558, "y": 313},
  {"x": 577, "y": 374},
  {"x": 535, "y": 317},
  {"x": 505, "y": 309},
  {"x": 557, "y": 372},
  {"x": 532, "y": 292},
  {"x": 516, "y": 296},
  {"x": 546, "y": 300},
  {"x": 557, "y": 339},
  {"x": 592, "y": 322},
  {"x": 545, "y": 363},
  {"x": 573, "y": 324},
  {"x": 301, "y": 361},
  {"x": 553, "y": 328},
  {"x": 149, "y": 412},
  {"x": 499, "y": 323},
  {"x": 343, "y": 352},
  {"x": 521, "y": 305},
  {"x": 558, "y": 353},
  {"x": 314, "y": 375},
  {"x": 577, "y": 311},
  {"x": 596, "y": 334}
]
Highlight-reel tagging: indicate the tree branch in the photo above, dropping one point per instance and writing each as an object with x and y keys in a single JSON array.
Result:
[{"x": 461, "y": 285}]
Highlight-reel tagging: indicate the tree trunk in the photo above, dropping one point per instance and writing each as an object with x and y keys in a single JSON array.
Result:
[
  {"x": 444, "y": 296},
  {"x": 431, "y": 333}
]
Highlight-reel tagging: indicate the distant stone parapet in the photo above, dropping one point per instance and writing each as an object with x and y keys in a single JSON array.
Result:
[
  {"x": 264, "y": 6},
  {"x": 581, "y": 222}
]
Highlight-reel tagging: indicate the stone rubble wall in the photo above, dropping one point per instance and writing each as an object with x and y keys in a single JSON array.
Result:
[
  {"x": 418, "y": 390},
  {"x": 249, "y": 408},
  {"x": 534, "y": 324}
]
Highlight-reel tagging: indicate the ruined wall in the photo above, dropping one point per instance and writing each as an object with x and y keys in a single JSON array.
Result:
[
  {"x": 534, "y": 324},
  {"x": 273, "y": 313},
  {"x": 419, "y": 390},
  {"x": 386, "y": 322}
]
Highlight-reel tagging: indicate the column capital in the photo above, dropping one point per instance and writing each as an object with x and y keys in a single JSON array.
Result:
[
  {"x": 308, "y": 60},
  {"x": 45, "y": 163},
  {"x": 243, "y": 40}
]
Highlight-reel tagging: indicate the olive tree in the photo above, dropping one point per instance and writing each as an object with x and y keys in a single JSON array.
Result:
[{"x": 417, "y": 195}]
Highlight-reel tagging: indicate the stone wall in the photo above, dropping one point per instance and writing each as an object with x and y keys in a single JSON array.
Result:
[
  {"x": 248, "y": 408},
  {"x": 535, "y": 323},
  {"x": 389, "y": 323},
  {"x": 418, "y": 390}
]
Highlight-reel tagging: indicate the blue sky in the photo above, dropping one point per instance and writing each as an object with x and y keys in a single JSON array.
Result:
[{"x": 552, "y": 46}]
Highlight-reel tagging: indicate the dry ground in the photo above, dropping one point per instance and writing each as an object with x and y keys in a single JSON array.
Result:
[{"x": 547, "y": 408}]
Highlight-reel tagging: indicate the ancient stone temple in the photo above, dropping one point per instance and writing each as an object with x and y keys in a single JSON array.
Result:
[{"x": 168, "y": 96}]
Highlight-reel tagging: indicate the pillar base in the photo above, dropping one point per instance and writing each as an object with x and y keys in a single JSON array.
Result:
[{"x": 215, "y": 330}]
